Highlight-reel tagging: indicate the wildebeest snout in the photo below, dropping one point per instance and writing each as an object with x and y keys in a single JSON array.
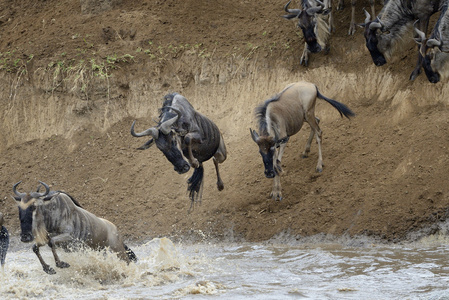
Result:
[
  {"x": 181, "y": 170},
  {"x": 269, "y": 173},
  {"x": 314, "y": 47}
]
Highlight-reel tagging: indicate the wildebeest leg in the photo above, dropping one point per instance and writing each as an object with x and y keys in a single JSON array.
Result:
[
  {"x": 47, "y": 268},
  {"x": 220, "y": 157},
  {"x": 341, "y": 5},
  {"x": 65, "y": 237},
  {"x": 192, "y": 137},
  {"x": 278, "y": 158},
  {"x": 373, "y": 10},
  {"x": 351, "y": 30},
  {"x": 305, "y": 57},
  {"x": 316, "y": 128},
  {"x": 276, "y": 193},
  {"x": 306, "y": 152}
]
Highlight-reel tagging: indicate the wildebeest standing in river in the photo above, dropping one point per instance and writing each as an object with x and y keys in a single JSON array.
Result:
[
  {"x": 53, "y": 218},
  {"x": 283, "y": 116},
  {"x": 4, "y": 241},
  {"x": 184, "y": 131}
]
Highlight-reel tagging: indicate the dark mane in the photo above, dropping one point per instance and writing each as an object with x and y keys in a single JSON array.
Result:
[
  {"x": 53, "y": 193},
  {"x": 74, "y": 200},
  {"x": 261, "y": 113}
]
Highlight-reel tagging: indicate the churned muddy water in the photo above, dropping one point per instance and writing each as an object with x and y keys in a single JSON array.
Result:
[{"x": 347, "y": 269}]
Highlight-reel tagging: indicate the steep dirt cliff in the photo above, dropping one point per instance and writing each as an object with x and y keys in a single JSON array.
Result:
[{"x": 73, "y": 79}]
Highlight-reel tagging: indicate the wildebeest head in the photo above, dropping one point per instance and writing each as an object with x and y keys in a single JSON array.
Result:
[
  {"x": 375, "y": 40},
  {"x": 307, "y": 22},
  {"x": 27, "y": 205},
  {"x": 436, "y": 58},
  {"x": 267, "y": 149},
  {"x": 165, "y": 139}
]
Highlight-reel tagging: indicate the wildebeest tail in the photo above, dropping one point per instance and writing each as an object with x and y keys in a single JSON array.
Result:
[
  {"x": 131, "y": 255},
  {"x": 195, "y": 183},
  {"x": 4, "y": 244},
  {"x": 342, "y": 109}
]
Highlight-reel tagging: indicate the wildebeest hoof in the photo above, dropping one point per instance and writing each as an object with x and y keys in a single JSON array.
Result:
[
  {"x": 276, "y": 196},
  {"x": 220, "y": 186},
  {"x": 304, "y": 155},
  {"x": 61, "y": 264},
  {"x": 49, "y": 270},
  {"x": 319, "y": 170},
  {"x": 195, "y": 163}
]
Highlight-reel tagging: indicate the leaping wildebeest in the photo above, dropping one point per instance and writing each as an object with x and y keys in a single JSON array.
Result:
[
  {"x": 55, "y": 218},
  {"x": 315, "y": 22},
  {"x": 435, "y": 49},
  {"x": 184, "y": 131},
  {"x": 384, "y": 34},
  {"x": 283, "y": 116}
]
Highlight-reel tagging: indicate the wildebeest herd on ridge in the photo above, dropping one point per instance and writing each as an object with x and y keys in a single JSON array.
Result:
[{"x": 188, "y": 139}]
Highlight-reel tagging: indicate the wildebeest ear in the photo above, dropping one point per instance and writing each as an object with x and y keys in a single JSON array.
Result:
[
  {"x": 16, "y": 198},
  {"x": 146, "y": 145}
]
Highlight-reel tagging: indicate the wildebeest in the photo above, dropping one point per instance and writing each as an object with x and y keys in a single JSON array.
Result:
[
  {"x": 315, "y": 22},
  {"x": 4, "y": 241},
  {"x": 394, "y": 20},
  {"x": 283, "y": 116},
  {"x": 55, "y": 218},
  {"x": 184, "y": 131},
  {"x": 435, "y": 49}
]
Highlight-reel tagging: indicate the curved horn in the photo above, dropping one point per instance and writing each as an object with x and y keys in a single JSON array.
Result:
[
  {"x": 18, "y": 195},
  {"x": 166, "y": 125},
  {"x": 375, "y": 25},
  {"x": 154, "y": 132},
  {"x": 254, "y": 135},
  {"x": 292, "y": 11},
  {"x": 38, "y": 195},
  {"x": 367, "y": 15},
  {"x": 313, "y": 10},
  {"x": 421, "y": 35},
  {"x": 433, "y": 43}
]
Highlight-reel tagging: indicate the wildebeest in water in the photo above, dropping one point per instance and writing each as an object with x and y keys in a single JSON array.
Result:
[
  {"x": 184, "y": 132},
  {"x": 283, "y": 116},
  {"x": 4, "y": 241},
  {"x": 55, "y": 218}
]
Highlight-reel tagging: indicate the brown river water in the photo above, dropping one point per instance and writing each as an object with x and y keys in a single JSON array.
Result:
[{"x": 315, "y": 268}]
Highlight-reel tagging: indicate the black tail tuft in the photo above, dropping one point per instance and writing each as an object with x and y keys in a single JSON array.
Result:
[
  {"x": 195, "y": 183},
  {"x": 342, "y": 109},
  {"x": 131, "y": 255}
]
